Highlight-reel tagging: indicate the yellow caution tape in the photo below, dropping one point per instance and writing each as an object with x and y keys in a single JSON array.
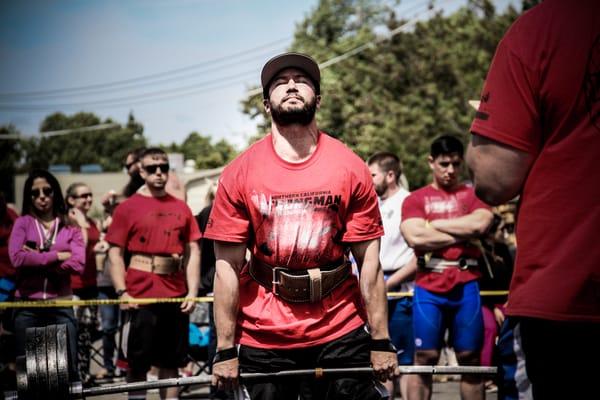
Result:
[
  {"x": 482, "y": 293},
  {"x": 99, "y": 302},
  {"x": 206, "y": 299}
]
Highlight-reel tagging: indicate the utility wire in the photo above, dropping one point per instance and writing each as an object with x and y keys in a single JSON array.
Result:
[
  {"x": 145, "y": 77},
  {"x": 127, "y": 98},
  {"x": 134, "y": 85},
  {"x": 202, "y": 87},
  {"x": 16, "y": 136}
]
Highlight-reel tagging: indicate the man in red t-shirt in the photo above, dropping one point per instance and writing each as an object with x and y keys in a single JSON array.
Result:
[
  {"x": 298, "y": 199},
  {"x": 438, "y": 222},
  {"x": 160, "y": 233},
  {"x": 537, "y": 135}
]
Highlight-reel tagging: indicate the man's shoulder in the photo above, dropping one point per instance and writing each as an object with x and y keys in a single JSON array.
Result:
[
  {"x": 420, "y": 192},
  {"x": 466, "y": 189},
  {"x": 256, "y": 149},
  {"x": 335, "y": 145}
]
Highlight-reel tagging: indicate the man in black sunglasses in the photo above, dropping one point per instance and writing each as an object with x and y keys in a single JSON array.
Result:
[{"x": 161, "y": 233}]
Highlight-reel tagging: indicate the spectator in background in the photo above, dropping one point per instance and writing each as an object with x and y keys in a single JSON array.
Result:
[
  {"x": 79, "y": 196},
  {"x": 109, "y": 313},
  {"x": 397, "y": 259},
  {"x": 7, "y": 273},
  {"x": 46, "y": 246},
  {"x": 537, "y": 134},
  {"x": 7, "y": 285},
  {"x": 438, "y": 222},
  {"x": 496, "y": 265},
  {"x": 160, "y": 232},
  {"x": 132, "y": 166}
]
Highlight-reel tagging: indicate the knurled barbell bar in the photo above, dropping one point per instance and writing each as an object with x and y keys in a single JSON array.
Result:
[{"x": 44, "y": 371}]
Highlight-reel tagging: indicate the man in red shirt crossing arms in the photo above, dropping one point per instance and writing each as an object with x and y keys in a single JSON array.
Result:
[
  {"x": 298, "y": 199},
  {"x": 159, "y": 233},
  {"x": 438, "y": 222}
]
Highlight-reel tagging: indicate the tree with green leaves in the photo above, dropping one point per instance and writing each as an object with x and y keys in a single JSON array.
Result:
[
  {"x": 106, "y": 147},
  {"x": 201, "y": 149}
]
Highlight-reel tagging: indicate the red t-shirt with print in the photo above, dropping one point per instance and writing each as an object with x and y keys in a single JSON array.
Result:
[
  {"x": 429, "y": 203},
  {"x": 297, "y": 216},
  {"x": 153, "y": 226}
]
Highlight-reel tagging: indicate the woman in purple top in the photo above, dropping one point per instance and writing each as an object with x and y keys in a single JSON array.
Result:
[{"x": 45, "y": 247}]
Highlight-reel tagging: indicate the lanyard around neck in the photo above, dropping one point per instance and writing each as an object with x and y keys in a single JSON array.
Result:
[{"x": 45, "y": 241}]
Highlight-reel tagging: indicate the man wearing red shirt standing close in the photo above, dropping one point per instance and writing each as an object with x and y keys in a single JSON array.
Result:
[
  {"x": 298, "y": 199},
  {"x": 159, "y": 232},
  {"x": 438, "y": 222},
  {"x": 536, "y": 134}
]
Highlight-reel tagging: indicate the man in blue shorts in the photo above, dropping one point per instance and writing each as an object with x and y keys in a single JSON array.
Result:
[
  {"x": 397, "y": 259},
  {"x": 439, "y": 220}
]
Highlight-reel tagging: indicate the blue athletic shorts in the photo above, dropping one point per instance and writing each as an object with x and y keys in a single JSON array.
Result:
[
  {"x": 401, "y": 328},
  {"x": 458, "y": 310}
]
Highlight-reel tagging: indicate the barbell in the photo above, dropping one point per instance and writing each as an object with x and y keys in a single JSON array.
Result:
[{"x": 44, "y": 371}]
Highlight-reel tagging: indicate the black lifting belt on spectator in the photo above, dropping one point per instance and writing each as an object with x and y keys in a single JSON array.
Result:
[{"x": 303, "y": 285}]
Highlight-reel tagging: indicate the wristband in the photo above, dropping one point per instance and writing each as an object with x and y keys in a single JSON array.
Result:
[
  {"x": 121, "y": 292},
  {"x": 226, "y": 354},
  {"x": 383, "y": 345}
]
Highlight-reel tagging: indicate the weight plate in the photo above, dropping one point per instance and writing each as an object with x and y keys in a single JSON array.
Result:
[
  {"x": 34, "y": 386},
  {"x": 41, "y": 363},
  {"x": 51, "y": 359},
  {"x": 62, "y": 362},
  {"x": 21, "y": 370}
]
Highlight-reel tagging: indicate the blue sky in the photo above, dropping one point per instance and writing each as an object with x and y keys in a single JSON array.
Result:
[{"x": 64, "y": 44}]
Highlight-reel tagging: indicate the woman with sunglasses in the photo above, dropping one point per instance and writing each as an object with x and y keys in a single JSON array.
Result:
[
  {"x": 79, "y": 202},
  {"x": 45, "y": 247}
]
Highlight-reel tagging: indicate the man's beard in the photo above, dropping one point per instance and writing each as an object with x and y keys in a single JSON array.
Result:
[
  {"x": 297, "y": 116},
  {"x": 135, "y": 182},
  {"x": 381, "y": 189}
]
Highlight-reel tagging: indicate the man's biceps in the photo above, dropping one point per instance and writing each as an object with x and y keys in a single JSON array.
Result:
[{"x": 412, "y": 223}]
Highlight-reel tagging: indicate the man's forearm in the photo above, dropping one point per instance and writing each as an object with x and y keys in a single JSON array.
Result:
[
  {"x": 465, "y": 227},
  {"x": 372, "y": 287},
  {"x": 403, "y": 274},
  {"x": 374, "y": 295},
  {"x": 192, "y": 269},
  {"x": 226, "y": 298},
  {"x": 117, "y": 267},
  {"x": 428, "y": 238}
]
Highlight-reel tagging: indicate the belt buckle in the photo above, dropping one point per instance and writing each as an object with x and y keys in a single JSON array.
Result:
[
  {"x": 463, "y": 264},
  {"x": 275, "y": 281}
]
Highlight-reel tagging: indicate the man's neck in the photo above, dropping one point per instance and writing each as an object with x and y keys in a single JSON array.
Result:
[
  {"x": 295, "y": 143},
  {"x": 149, "y": 191},
  {"x": 446, "y": 188},
  {"x": 391, "y": 190}
]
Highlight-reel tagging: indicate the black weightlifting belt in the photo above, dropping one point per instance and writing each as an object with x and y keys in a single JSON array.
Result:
[{"x": 300, "y": 286}]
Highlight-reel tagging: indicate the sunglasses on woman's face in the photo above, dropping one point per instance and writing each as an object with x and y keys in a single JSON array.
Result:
[
  {"x": 83, "y": 196},
  {"x": 151, "y": 169},
  {"x": 46, "y": 190}
]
